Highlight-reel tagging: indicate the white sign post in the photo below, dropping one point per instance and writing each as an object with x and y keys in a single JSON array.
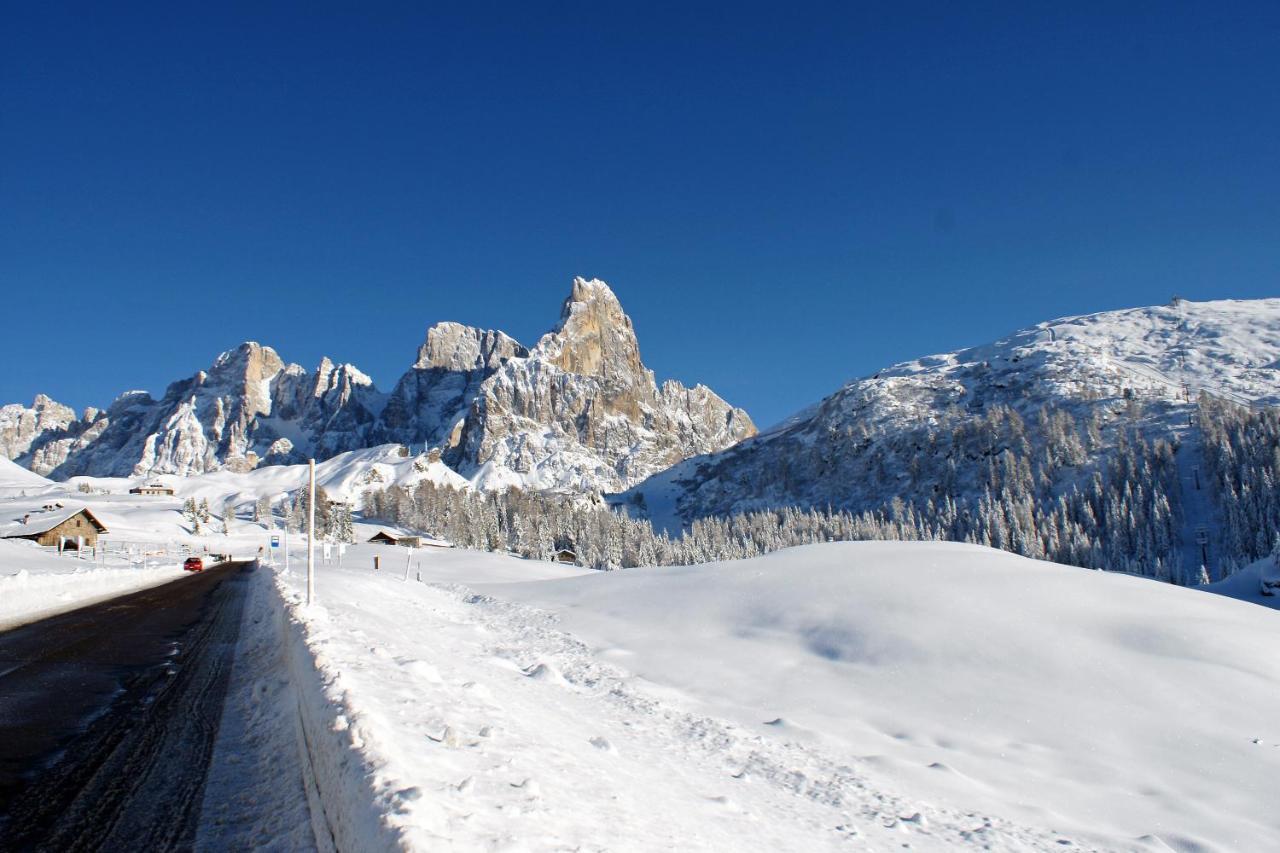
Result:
[
  {"x": 408, "y": 558},
  {"x": 311, "y": 528}
]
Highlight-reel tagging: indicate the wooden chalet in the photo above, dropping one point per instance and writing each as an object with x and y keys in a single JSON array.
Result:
[
  {"x": 386, "y": 537},
  {"x": 69, "y": 526},
  {"x": 383, "y": 537}
]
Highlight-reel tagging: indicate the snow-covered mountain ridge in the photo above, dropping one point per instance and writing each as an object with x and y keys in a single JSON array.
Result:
[
  {"x": 578, "y": 412},
  {"x": 1061, "y": 397}
]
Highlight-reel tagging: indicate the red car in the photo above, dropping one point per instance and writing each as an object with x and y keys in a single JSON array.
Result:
[{"x": 193, "y": 564}]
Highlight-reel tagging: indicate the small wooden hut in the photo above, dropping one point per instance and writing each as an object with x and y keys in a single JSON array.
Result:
[{"x": 69, "y": 525}]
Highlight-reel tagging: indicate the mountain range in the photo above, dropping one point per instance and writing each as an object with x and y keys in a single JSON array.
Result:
[
  {"x": 578, "y": 411},
  {"x": 1141, "y": 439}
]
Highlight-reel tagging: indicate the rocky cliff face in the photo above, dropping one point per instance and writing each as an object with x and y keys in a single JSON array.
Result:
[
  {"x": 249, "y": 406},
  {"x": 47, "y": 433},
  {"x": 582, "y": 412},
  {"x": 433, "y": 397},
  {"x": 579, "y": 411}
]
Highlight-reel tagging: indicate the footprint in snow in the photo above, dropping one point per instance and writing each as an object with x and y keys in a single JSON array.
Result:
[
  {"x": 603, "y": 745},
  {"x": 530, "y": 787},
  {"x": 423, "y": 671},
  {"x": 545, "y": 672},
  {"x": 447, "y": 736},
  {"x": 408, "y": 795}
]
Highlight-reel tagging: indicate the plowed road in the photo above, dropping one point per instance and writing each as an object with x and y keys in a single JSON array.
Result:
[{"x": 108, "y": 716}]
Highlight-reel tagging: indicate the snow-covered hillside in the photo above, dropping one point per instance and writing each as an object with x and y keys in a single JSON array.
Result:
[
  {"x": 1029, "y": 418},
  {"x": 344, "y": 477},
  {"x": 14, "y": 478},
  {"x": 878, "y": 695}
]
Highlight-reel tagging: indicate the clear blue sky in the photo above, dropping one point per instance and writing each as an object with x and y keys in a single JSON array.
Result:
[{"x": 784, "y": 196}]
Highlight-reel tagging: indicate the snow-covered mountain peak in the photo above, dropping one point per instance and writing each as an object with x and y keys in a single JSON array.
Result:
[
  {"x": 457, "y": 347},
  {"x": 248, "y": 358},
  {"x": 582, "y": 413},
  {"x": 1228, "y": 348},
  {"x": 1063, "y": 400},
  {"x": 130, "y": 398}
]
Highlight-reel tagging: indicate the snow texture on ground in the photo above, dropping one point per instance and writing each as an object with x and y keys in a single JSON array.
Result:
[{"x": 864, "y": 694}]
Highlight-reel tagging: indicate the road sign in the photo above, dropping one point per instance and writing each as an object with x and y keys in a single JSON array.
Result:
[{"x": 275, "y": 541}]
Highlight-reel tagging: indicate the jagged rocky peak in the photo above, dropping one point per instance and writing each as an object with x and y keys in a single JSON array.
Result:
[
  {"x": 583, "y": 413},
  {"x": 578, "y": 411},
  {"x": 340, "y": 377},
  {"x": 595, "y": 336},
  {"x": 251, "y": 360},
  {"x": 251, "y": 367},
  {"x": 455, "y": 347}
]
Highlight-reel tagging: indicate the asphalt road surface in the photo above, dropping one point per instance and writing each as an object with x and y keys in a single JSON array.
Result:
[{"x": 108, "y": 716}]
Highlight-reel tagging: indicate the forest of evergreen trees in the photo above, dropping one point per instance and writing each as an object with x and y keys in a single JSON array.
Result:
[
  {"x": 1242, "y": 459},
  {"x": 1081, "y": 491}
]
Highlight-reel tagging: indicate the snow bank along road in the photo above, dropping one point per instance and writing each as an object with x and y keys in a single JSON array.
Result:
[{"x": 108, "y": 716}]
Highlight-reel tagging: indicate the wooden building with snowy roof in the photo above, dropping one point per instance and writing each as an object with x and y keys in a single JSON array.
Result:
[{"x": 71, "y": 526}]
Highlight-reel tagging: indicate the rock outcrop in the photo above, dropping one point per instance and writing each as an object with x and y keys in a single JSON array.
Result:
[
  {"x": 249, "y": 406},
  {"x": 432, "y": 398},
  {"x": 46, "y": 433}
]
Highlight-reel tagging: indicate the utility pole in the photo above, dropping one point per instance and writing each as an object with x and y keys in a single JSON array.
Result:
[{"x": 311, "y": 527}]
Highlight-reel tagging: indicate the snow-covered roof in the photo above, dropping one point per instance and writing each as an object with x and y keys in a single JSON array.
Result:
[
  {"x": 421, "y": 538},
  {"x": 42, "y": 522}
]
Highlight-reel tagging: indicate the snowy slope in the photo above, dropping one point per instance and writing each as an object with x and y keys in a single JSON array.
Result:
[
  {"x": 1249, "y": 584},
  {"x": 15, "y": 478},
  {"x": 870, "y": 694},
  {"x": 344, "y": 476},
  {"x": 891, "y": 435}
]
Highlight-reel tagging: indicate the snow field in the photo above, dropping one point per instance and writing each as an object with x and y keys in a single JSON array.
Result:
[
  {"x": 1136, "y": 713},
  {"x": 477, "y": 722}
]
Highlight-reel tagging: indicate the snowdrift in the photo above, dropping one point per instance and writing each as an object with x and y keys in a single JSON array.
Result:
[{"x": 1084, "y": 701}]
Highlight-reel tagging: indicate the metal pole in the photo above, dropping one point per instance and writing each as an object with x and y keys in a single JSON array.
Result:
[
  {"x": 311, "y": 527},
  {"x": 285, "y": 524}
]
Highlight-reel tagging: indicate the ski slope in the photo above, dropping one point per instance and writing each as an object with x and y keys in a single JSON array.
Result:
[{"x": 865, "y": 695}]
